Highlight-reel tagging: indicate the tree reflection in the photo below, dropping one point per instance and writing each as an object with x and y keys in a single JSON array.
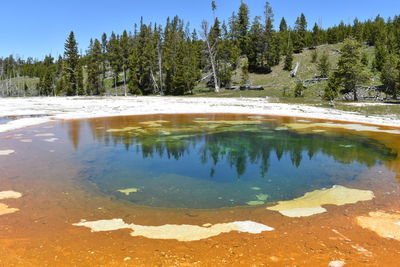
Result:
[{"x": 242, "y": 145}]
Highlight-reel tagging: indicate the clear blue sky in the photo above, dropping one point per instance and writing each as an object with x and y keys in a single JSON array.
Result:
[{"x": 39, "y": 27}]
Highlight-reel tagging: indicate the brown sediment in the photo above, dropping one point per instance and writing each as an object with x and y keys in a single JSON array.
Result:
[{"x": 42, "y": 232}]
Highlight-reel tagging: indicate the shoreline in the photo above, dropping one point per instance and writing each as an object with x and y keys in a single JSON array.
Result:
[{"x": 66, "y": 108}]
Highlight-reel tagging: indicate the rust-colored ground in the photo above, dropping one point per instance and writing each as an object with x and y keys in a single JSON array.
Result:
[{"x": 42, "y": 234}]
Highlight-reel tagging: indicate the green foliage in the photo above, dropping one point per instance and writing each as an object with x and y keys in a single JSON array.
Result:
[
  {"x": 314, "y": 56},
  {"x": 289, "y": 57},
  {"x": 350, "y": 71},
  {"x": 245, "y": 71},
  {"x": 94, "y": 69},
  {"x": 71, "y": 67},
  {"x": 243, "y": 25},
  {"x": 324, "y": 65},
  {"x": 299, "y": 36},
  {"x": 381, "y": 54},
  {"x": 390, "y": 75},
  {"x": 331, "y": 90},
  {"x": 299, "y": 89},
  {"x": 364, "y": 59},
  {"x": 283, "y": 25}
]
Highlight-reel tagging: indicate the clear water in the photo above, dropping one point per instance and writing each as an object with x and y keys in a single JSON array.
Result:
[{"x": 190, "y": 162}]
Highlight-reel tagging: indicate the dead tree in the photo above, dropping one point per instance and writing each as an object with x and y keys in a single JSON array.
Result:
[
  {"x": 211, "y": 51},
  {"x": 293, "y": 73}
]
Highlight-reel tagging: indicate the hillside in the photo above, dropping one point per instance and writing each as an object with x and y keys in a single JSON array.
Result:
[{"x": 279, "y": 80}]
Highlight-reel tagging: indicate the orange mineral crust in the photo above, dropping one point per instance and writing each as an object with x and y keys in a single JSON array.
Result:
[{"x": 52, "y": 203}]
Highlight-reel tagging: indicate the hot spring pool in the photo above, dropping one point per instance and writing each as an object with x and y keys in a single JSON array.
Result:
[{"x": 208, "y": 162}]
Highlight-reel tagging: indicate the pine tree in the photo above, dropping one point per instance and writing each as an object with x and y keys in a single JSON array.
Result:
[
  {"x": 71, "y": 65},
  {"x": 314, "y": 56},
  {"x": 95, "y": 69},
  {"x": 243, "y": 24},
  {"x": 390, "y": 75},
  {"x": 269, "y": 49},
  {"x": 299, "y": 38},
  {"x": 324, "y": 65},
  {"x": 299, "y": 88},
  {"x": 289, "y": 57},
  {"x": 245, "y": 79},
  {"x": 316, "y": 35},
  {"x": 381, "y": 54},
  {"x": 104, "y": 44},
  {"x": 332, "y": 88},
  {"x": 124, "y": 50},
  {"x": 350, "y": 71},
  {"x": 283, "y": 25},
  {"x": 114, "y": 57}
]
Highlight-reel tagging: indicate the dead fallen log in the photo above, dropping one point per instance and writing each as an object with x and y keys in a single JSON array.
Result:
[
  {"x": 316, "y": 80},
  {"x": 245, "y": 88}
]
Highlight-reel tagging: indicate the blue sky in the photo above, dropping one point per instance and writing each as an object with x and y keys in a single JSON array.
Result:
[{"x": 39, "y": 27}]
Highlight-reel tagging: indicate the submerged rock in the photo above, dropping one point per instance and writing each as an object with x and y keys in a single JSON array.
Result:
[
  {"x": 6, "y": 152},
  {"x": 336, "y": 264},
  {"x": 128, "y": 191},
  {"x": 4, "y": 209},
  {"x": 255, "y": 203},
  {"x": 262, "y": 197},
  {"x": 386, "y": 225},
  {"x": 9, "y": 194},
  {"x": 181, "y": 232},
  {"x": 311, "y": 202},
  {"x": 45, "y": 135}
]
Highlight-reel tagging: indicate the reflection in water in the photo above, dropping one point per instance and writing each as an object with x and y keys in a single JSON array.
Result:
[{"x": 185, "y": 162}]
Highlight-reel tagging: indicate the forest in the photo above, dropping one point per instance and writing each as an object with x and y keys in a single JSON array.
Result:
[{"x": 174, "y": 58}]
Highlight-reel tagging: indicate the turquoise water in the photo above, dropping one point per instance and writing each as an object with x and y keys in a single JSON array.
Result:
[{"x": 184, "y": 164}]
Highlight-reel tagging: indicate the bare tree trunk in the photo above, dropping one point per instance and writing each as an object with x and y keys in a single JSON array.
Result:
[
  {"x": 214, "y": 69},
  {"x": 211, "y": 53},
  {"x": 155, "y": 82},
  {"x": 160, "y": 71},
  {"x": 125, "y": 88}
]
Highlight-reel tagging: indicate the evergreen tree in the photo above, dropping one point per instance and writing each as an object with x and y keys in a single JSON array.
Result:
[
  {"x": 299, "y": 38},
  {"x": 364, "y": 59},
  {"x": 269, "y": 47},
  {"x": 243, "y": 24},
  {"x": 114, "y": 57},
  {"x": 245, "y": 79},
  {"x": 95, "y": 69},
  {"x": 299, "y": 88},
  {"x": 316, "y": 35},
  {"x": 331, "y": 90},
  {"x": 381, "y": 54},
  {"x": 314, "y": 56},
  {"x": 324, "y": 65},
  {"x": 124, "y": 48},
  {"x": 350, "y": 71},
  {"x": 289, "y": 57},
  {"x": 71, "y": 66},
  {"x": 283, "y": 25},
  {"x": 390, "y": 75}
]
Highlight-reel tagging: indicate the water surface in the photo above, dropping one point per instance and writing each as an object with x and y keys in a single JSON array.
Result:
[{"x": 205, "y": 162}]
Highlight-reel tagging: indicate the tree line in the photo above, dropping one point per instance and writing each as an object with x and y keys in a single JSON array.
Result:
[{"x": 172, "y": 59}]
